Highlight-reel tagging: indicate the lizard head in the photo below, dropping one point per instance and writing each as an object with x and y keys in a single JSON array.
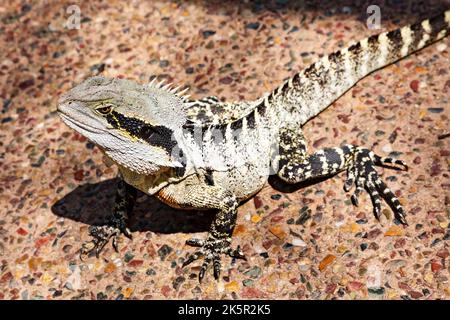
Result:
[{"x": 137, "y": 126}]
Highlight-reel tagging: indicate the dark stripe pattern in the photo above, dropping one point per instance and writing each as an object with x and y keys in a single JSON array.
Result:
[{"x": 158, "y": 136}]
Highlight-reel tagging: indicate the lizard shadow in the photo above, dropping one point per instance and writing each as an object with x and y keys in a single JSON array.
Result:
[
  {"x": 392, "y": 11},
  {"x": 92, "y": 204}
]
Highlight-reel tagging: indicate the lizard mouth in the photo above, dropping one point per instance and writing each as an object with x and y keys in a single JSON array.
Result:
[{"x": 76, "y": 125}]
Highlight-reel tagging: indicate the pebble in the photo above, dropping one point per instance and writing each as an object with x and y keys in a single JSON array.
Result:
[
  {"x": 233, "y": 286},
  {"x": 189, "y": 70},
  {"x": 98, "y": 68},
  {"x": 394, "y": 231},
  {"x": 387, "y": 148},
  {"x": 164, "y": 251},
  {"x": 252, "y": 25},
  {"x": 303, "y": 217},
  {"x": 208, "y": 33},
  {"x": 257, "y": 202},
  {"x": 278, "y": 232},
  {"x": 326, "y": 261},
  {"x": 275, "y": 196},
  {"x": 110, "y": 267},
  {"x": 150, "y": 272},
  {"x": 441, "y": 47},
  {"x": 164, "y": 63},
  {"x": 435, "y": 110},
  {"x": 177, "y": 282},
  {"x": 298, "y": 242},
  {"x": 128, "y": 256},
  {"x": 247, "y": 282},
  {"x": 361, "y": 221},
  {"x": 376, "y": 292}
]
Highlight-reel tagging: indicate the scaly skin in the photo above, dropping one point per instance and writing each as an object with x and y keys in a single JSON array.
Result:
[{"x": 207, "y": 154}]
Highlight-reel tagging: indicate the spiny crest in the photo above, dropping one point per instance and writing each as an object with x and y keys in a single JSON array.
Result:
[{"x": 161, "y": 85}]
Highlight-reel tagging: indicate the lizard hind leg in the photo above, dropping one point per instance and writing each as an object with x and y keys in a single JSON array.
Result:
[{"x": 296, "y": 165}]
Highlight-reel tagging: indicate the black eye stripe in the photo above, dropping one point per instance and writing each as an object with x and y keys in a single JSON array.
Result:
[
  {"x": 146, "y": 132},
  {"x": 155, "y": 135}
]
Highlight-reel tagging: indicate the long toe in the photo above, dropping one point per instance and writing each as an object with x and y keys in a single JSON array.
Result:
[{"x": 195, "y": 256}]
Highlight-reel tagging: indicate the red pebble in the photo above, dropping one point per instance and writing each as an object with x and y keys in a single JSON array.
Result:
[
  {"x": 443, "y": 253},
  {"x": 22, "y": 231},
  {"x": 415, "y": 294},
  {"x": 42, "y": 241},
  {"x": 331, "y": 287},
  {"x": 258, "y": 202},
  {"x": 165, "y": 290},
  {"x": 355, "y": 285},
  {"x": 78, "y": 175},
  {"x": 435, "y": 267},
  {"x": 404, "y": 286},
  {"x": 135, "y": 263},
  {"x": 276, "y": 219},
  {"x": 414, "y": 85},
  {"x": 6, "y": 277},
  {"x": 249, "y": 292}
]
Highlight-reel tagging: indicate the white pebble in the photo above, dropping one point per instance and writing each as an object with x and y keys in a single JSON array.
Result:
[
  {"x": 441, "y": 47},
  {"x": 117, "y": 262},
  {"x": 387, "y": 148},
  {"x": 220, "y": 287},
  {"x": 339, "y": 224},
  {"x": 258, "y": 249},
  {"x": 298, "y": 242}
]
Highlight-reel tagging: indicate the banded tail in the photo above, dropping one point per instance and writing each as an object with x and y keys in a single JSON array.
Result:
[{"x": 317, "y": 86}]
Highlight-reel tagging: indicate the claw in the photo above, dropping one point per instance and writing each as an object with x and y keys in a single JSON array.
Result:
[
  {"x": 392, "y": 201},
  {"x": 127, "y": 233},
  {"x": 195, "y": 256},
  {"x": 350, "y": 180},
  {"x": 354, "y": 199},
  {"x": 375, "y": 197},
  {"x": 85, "y": 250},
  {"x": 101, "y": 236},
  {"x": 201, "y": 274},
  {"x": 204, "y": 268},
  {"x": 237, "y": 254},
  {"x": 348, "y": 185},
  {"x": 115, "y": 244},
  {"x": 363, "y": 171},
  {"x": 216, "y": 269},
  {"x": 401, "y": 217},
  {"x": 211, "y": 249}
]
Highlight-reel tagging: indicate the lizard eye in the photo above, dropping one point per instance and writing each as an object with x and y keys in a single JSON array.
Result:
[{"x": 105, "y": 109}]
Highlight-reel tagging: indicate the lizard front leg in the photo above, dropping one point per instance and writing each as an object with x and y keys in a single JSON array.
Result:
[
  {"x": 124, "y": 203},
  {"x": 198, "y": 195},
  {"x": 218, "y": 241},
  {"x": 297, "y": 166}
]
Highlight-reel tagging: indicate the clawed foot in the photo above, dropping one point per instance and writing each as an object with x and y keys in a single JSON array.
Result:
[
  {"x": 101, "y": 236},
  {"x": 211, "y": 249},
  {"x": 364, "y": 176}
]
